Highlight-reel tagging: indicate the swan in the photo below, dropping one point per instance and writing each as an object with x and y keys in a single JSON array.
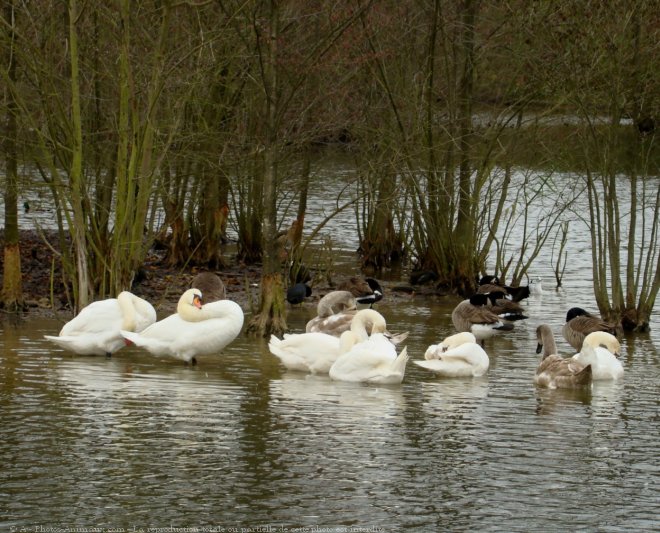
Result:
[
  {"x": 474, "y": 316},
  {"x": 211, "y": 286},
  {"x": 600, "y": 350},
  {"x": 195, "y": 329},
  {"x": 371, "y": 359},
  {"x": 366, "y": 363},
  {"x": 316, "y": 352},
  {"x": 458, "y": 355},
  {"x": 554, "y": 371},
  {"x": 579, "y": 323},
  {"x": 334, "y": 313},
  {"x": 96, "y": 329}
]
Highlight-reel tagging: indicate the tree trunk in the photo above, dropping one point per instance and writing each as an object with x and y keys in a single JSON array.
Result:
[
  {"x": 464, "y": 265},
  {"x": 84, "y": 288},
  {"x": 12, "y": 292},
  {"x": 271, "y": 317}
]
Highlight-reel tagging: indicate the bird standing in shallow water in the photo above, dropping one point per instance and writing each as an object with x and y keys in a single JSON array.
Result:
[
  {"x": 194, "y": 330},
  {"x": 96, "y": 329},
  {"x": 297, "y": 293}
]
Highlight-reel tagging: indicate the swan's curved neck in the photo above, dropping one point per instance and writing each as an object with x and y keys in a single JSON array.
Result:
[
  {"x": 125, "y": 301},
  {"x": 364, "y": 317},
  {"x": 549, "y": 344}
]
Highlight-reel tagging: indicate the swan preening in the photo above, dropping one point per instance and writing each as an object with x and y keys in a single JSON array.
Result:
[
  {"x": 458, "y": 355},
  {"x": 601, "y": 350},
  {"x": 364, "y": 353},
  {"x": 343, "y": 342},
  {"x": 194, "y": 330},
  {"x": 96, "y": 329},
  {"x": 554, "y": 371},
  {"x": 335, "y": 312}
]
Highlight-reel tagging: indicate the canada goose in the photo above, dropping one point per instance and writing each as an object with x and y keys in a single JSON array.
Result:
[
  {"x": 504, "y": 307},
  {"x": 195, "y": 329},
  {"x": 211, "y": 286},
  {"x": 96, "y": 329},
  {"x": 492, "y": 284},
  {"x": 579, "y": 323},
  {"x": 365, "y": 290},
  {"x": 458, "y": 355},
  {"x": 473, "y": 315},
  {"x": 600, "y": 350},
  {"x": 554, "y": 371}
]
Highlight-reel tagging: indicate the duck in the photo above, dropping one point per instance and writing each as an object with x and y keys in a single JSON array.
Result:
[
  {"x": 458, "y": 355},
  {"x": 316, "y": 351},
  {"x": 492, "y": 283},
  {"x": 366, "y": 290},
  {"x": 600, "y": 350},
  {"x": 555, "y": 371},
  {"x": 211, "y": 285},
  {"x": 195, "y": 329},
  {"x": 371, "y": 359},
  {"x": 96, "y": 329},
  {"x": 474, "y": 316},
  {"x": 579, "y": 323},
  {"x": 504, "y": 307},
  {"x": 297, "y": 293}
]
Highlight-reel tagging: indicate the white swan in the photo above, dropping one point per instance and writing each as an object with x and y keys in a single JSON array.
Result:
[
  {"x": 367, "y": 364},
  {"x": 457, "y": 356},
  {"x": 96, "y": 329},
  {"x": 371, "y": 359},
  {"x": 316, "y": 352},
  {"x": 554, "y": 371},
  {"x": 600, "y": 350},
  {"x": 195, "y": 329}
]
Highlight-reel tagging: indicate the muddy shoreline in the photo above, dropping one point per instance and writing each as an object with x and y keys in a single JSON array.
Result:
[{"x": 45, "y": 295}]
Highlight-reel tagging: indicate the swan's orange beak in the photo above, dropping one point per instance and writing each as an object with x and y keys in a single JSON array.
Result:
[{"x": 197, "y": 302}]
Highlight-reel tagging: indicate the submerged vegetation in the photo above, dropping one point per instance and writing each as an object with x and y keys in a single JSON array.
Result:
[{"x": 211, "y": 111}]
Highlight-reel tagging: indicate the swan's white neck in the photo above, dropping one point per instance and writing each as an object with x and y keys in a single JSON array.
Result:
[
  {"x": 364, "y": 317},
  {"x": 125, "y": 301}
]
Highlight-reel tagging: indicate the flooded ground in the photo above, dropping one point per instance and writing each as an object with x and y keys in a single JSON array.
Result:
[
  {"x": 137, "y": 441},
  {"x": 238, "y": 442}
]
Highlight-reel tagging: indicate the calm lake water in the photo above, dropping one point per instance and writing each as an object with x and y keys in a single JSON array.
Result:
[{"x": 238, "y": 442}]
